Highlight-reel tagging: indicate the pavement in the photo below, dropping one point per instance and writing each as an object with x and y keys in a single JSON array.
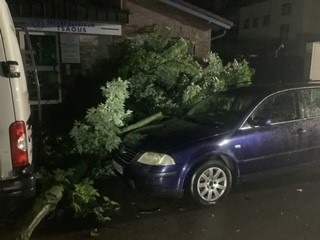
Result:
[{"x": 279, "y": 207}]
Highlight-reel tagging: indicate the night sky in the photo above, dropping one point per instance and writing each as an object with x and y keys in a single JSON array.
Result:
[{"x": 222, "y": 7}]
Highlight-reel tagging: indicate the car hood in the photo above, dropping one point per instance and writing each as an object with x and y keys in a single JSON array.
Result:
[{"x": 169, "y": 135}]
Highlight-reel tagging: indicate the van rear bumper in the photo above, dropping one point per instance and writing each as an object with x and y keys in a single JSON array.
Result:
[{"x": 23, "y": 186}]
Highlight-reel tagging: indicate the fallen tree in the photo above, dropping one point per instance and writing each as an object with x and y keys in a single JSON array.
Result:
[
  {"x": 47, "y": 202},
  {"x": 161, "y": 76}
]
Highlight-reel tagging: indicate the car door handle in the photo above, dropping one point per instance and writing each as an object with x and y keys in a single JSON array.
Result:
[{"x": 300, "y": 131}]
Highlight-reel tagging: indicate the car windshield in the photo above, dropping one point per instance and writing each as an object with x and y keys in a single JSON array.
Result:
[{"x": 222, "y": 109}]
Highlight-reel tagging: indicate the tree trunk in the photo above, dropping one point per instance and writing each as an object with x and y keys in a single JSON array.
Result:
[
  {"x": 143, "y": 122},
  {"x": 23, "y": 228}
]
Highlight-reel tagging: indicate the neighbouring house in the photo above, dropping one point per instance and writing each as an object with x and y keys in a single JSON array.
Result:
[
  {"x": 68, "y": 37},
  {"x": 292, "y": 22},
  {"x": 275, "y": 29}
]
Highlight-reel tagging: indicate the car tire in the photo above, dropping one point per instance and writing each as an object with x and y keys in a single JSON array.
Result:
[{"x": 210, "y": 182}]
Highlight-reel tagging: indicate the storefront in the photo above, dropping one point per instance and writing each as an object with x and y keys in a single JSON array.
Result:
[{"x": 63, "y": 39}]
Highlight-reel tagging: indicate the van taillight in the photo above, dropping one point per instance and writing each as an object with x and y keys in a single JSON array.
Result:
[{"x": 18, "y": 140}]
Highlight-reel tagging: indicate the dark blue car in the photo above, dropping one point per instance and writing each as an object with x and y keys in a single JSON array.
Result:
[{"x": 227, "y": 136}]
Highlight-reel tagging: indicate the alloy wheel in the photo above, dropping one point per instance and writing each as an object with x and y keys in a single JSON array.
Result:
[{"x": 212, "y": 184}]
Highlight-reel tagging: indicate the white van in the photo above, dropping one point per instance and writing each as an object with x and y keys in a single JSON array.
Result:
[{"x": 16, "y": 178}]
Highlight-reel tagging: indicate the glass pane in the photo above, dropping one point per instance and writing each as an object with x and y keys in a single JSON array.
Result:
[
  {"x": 278, "y": 108},
  {"x": 224, "y": 108},
  {"x": 311, "y": 102},
  {"x": 49, "y": 85},
  {"x": 44, "y": 49}
]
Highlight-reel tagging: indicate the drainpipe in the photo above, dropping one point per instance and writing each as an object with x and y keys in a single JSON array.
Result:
[
  {"x": 278, "y": 49},
  {"x": 219, "y": 36}
]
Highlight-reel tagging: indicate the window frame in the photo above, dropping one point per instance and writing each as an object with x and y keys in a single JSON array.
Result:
[
  {"x": 284, "y": 33},
  {"x": 255, "y": 22},
  {"x": 296, "y": 105},
  {"x": 304, "y": 105},
  {"x": 266, "y": 20},
  {"x": 286, "y": 9},
  {"x": 246, "y": 23}
]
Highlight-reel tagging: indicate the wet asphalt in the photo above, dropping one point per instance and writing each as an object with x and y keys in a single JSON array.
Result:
[{"x": 277, "y": 207}]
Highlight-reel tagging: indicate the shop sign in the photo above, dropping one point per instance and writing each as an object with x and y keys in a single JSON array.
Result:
[{"x": 67, "y": 26}]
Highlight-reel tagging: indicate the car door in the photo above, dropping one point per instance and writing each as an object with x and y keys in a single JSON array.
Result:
[
  {"x": 274, "y": 135},
  {"x": 309, "y": 100}
]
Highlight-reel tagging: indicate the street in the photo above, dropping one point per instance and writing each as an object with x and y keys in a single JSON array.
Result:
[{"x": 278, "y": 207}]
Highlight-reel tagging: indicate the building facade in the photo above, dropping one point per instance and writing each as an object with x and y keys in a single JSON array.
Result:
[
  {"x": 64, "y": 39},
  {"x": 277, "y": 35},
  {"x": 290, "y": 22}
]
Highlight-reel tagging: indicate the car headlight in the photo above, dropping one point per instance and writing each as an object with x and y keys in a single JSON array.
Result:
[{"x": 156, "y": 159}]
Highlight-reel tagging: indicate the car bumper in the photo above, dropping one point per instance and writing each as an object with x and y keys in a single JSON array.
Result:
[
  {"x": 145, "y": 179},
  {"x": 23, "y": 186}
]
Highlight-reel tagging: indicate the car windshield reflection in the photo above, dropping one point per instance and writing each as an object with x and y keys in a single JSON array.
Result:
[{"x": 221, "y": 109}]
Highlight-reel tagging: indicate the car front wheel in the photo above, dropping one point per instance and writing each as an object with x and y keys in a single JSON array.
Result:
[{"x": 210, "y": 182}]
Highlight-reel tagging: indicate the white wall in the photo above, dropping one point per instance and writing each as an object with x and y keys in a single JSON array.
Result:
[{"x": 303, "y": 18}]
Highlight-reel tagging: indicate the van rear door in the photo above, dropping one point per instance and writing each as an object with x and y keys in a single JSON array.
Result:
[
  {"x": 14, "y": 99},
  {"x": 6, "y": 116}
]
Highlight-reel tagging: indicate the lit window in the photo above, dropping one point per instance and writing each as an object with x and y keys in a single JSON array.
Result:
[{"x": 286, "y": 9}]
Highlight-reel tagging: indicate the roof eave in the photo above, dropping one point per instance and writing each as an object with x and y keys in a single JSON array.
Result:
[{"x": 211, "y": 20}]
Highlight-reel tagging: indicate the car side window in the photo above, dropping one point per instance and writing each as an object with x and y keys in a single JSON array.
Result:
[
  {"x": 310, "y": 101},
  {"x": 278, "y": 108}
]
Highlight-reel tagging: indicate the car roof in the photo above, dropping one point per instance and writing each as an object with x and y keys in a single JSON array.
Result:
[{"x": 266, "y": 89}]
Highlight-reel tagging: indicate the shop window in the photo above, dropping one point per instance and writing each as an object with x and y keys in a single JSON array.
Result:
[{"x": 46, "y": 56}]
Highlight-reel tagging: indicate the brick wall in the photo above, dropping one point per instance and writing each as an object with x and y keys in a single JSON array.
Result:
[{"x": 150, "y": 12}]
